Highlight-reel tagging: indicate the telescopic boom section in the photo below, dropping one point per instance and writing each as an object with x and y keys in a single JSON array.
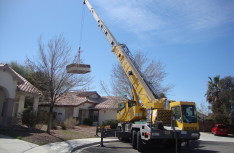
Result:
[
  {"x": 143, "y": 88},
  {"x": 102, "y": 25}
]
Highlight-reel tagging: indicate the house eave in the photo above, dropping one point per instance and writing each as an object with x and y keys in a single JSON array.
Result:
[
  {"x": 64, "y": 105},
  {"x": 5, "y": 67}
]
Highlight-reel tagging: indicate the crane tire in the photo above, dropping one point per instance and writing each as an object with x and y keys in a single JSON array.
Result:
[
  {"x": 134, "y": 139},
  {"x": 140, "y": 145}
]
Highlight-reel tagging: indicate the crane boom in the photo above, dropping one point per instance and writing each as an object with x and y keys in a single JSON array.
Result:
[
  {"x": 102, "y": 25},
  {"x": 142, "y": 87}
]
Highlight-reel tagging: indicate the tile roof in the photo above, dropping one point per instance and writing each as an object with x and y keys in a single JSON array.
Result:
[
  {"x": 29, "y": 88},
  {"x": 73, "y": 98},
  {"x": 108, "y": 102},
  {"x": 77, "y": 98},
  {"x": 86, "y": 93},
  {"x": 24, "y": 85}
]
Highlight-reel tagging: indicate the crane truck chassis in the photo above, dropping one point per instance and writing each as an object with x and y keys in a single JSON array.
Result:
[
  {"x": 147, "y": 119},
  {"x": 143, "y": 133}
]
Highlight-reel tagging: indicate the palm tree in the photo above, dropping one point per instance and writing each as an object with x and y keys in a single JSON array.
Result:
[
  {"x": 212, "y": 93},
  {"x": 213, "y": 97}
]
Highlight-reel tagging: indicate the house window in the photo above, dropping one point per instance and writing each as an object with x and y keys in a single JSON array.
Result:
[{"x": 93, "y": 115}]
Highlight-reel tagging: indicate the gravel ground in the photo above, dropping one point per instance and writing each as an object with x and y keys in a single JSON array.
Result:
[{"x": 40, "y": 137}]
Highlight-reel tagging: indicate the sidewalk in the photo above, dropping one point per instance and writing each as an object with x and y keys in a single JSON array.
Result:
[{"x": 10, "y": 145}]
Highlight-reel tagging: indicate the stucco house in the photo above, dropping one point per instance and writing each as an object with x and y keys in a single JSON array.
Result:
[
  {"x": 83, "y": 105},
  {"x": 13, "y": 91}
]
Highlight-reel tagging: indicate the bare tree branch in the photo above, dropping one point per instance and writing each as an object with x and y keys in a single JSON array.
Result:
[
  {"x": 152, "y": 70},
  {"x": 50, "y": 73}
]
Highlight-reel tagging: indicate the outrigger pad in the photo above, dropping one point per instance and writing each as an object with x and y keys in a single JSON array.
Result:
[{"x": 78, "y": 68}]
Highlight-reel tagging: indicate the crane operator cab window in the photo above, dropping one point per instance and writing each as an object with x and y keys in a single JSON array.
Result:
[
  {"x": 176, "y": 111},
  {"x": 189, "y": 114},
  {"x": 121, "y": 106},
  {"x": 131, "y": 103}
]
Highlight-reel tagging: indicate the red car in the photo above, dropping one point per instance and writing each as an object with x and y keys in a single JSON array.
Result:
[{"x": 220, "y": 129}]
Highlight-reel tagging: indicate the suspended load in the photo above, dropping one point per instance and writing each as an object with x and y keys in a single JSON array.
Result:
[{"x": 78, "y": 68}]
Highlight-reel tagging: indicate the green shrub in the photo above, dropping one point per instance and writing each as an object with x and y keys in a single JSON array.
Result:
[
  {"x": 29, "y": 117},
  {"x": 54, "y": 125},
  {"x": 87, "y": 121},
  {"x": 19, "y": 137},
  {"x": 112, "y": 123},
  {"x": 63, "y": 125}
]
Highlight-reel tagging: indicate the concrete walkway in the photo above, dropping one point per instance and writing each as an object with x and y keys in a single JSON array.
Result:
[{"x": 11, "y": 145}]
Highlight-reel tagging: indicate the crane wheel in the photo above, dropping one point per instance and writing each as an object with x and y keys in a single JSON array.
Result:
[
  {"x": 134, "y": 139},
  {"x": 140, "y": 145}
]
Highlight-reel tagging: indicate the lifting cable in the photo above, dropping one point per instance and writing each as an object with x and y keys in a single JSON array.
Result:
[{"x": 77, "y": 58}]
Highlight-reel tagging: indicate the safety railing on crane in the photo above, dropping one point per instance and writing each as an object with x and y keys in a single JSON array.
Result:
[{"x": 128, "y": 52}]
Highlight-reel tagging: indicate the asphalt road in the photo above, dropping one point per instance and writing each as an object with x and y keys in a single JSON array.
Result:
[
  {"x": 199, "y": 146},
  {"x": 195, "y": 147}
]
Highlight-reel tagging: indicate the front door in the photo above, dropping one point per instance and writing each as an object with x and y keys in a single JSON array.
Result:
[{"x": 93, "y": 115}]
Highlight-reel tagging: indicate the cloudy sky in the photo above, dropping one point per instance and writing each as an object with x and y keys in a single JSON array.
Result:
[{"x": 172, "y": 21}]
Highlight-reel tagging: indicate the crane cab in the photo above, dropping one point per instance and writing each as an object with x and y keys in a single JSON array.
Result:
[
  {"x": 129, "y": 111},
  {"x": 185, "y": 115}
]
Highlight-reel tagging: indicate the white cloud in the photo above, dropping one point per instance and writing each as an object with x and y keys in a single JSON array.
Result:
[
  {"x": 133, "y": 15},
  {"x": 201, "y": 14},
  {"x": 167, "y": 19}
]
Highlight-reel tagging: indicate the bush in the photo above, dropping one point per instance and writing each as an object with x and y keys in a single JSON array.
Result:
[
  {"x": 87, "y": 121},
  {"x": 71, "y": 122},
  {"x": 29, "y": 117},
  {"x": 112, "y": 123},
  {"x": 42, "y": 117},
  {"x": 33, "y": 119},
  {"x": 63, "y": 125},
  {"x": 54, "y": 125}
]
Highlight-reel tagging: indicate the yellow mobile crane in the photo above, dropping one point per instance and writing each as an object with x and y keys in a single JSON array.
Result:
[{"x": 147, "y": 119}]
